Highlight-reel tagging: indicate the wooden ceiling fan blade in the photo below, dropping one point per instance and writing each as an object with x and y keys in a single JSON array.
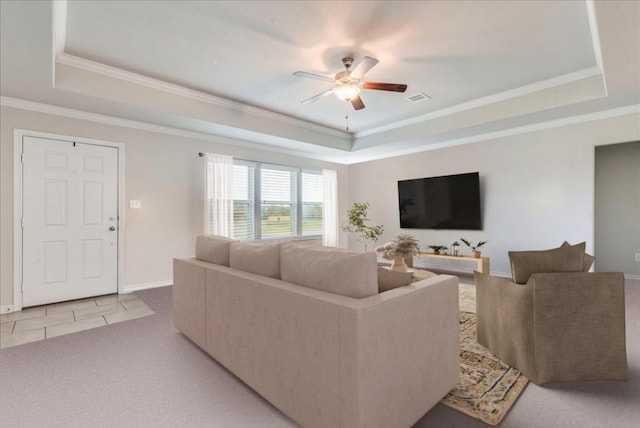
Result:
[
  {"x": 314, "y": 76},
  {"x": 357, "y": 103},
  {"x": 378, "y": 86},
  {"x": 317, "y": 97},
  {"x": 365, "y": 65}
]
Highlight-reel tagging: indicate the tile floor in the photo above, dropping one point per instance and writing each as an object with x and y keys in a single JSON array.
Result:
[{"x": 45, "y": 322}]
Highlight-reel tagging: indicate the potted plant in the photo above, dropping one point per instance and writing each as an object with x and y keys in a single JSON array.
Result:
[
  {"x": 357, "y": 224},
  {"x": 474, "y": 248},
  {"x": 437, "y": 248},
  {"x": 401, "y": 246}
]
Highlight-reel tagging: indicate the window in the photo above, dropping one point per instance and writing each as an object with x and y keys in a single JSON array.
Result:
[{"x": 274, "y": 201}]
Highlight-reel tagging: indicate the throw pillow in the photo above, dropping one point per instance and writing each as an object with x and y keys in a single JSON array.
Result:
[
  {"x": 588, "y": 258},
  {"x": 563, "y": 259},
  {"x": 389, "y": 279},
  {"x": 213, "y": 249},
  {"x": 261, "y": 258}
]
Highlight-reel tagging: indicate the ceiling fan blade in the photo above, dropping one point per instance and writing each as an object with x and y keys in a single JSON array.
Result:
[
  {"x": 313, "y": 76},
  {"x": 317, "y": 97},
  {"x": 357, "y": 103},
  {"x": 365, "y": 65},
  {"x": 393, "y": 87}
]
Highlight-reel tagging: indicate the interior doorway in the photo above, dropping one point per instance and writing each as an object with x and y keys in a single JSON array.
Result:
[{"x": 617, "y": 208}]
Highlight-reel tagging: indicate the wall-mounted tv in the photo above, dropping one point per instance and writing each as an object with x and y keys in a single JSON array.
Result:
[{"x": 447, "y": 202}]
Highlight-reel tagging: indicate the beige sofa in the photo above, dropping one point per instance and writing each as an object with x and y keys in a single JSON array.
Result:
[{"x": 306, "y": 328}]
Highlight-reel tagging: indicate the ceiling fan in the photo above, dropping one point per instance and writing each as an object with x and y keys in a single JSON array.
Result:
[{"x": 347, "y": 84}]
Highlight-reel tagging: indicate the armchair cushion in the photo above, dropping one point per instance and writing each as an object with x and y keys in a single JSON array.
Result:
[{"x": 563, "y": 259}]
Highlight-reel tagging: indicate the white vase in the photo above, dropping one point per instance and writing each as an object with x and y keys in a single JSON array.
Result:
[{"x": 399, "y": 264}]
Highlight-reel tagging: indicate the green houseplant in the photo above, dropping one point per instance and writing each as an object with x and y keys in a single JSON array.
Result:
[
  {"x": 437, "y": 248},
  {"x": 357, "y": 224},
  {"x": 474, "y": 248}
]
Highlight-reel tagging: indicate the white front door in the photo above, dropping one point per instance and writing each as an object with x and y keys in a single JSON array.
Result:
[{"x": 70, "y": 220}]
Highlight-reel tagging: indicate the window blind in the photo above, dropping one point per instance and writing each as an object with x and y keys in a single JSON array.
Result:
[
  {"x": 278, "y": 200},
  {"x": 271, "y": 201}
]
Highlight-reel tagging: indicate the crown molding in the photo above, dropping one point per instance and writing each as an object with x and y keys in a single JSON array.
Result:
[
  {"x": 338, "y": 156},
  {"x": 333, "y": 156},
  {"x": 139, "y": 79},
  {"x": 525, "y": 129},
  {"x": 491, "y": 99}
]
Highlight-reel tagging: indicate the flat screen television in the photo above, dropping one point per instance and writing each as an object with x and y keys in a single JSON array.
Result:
[{"x": 447, "y": 202}]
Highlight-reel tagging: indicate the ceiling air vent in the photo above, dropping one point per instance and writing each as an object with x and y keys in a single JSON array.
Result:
[{"x": 420, "y": 96}]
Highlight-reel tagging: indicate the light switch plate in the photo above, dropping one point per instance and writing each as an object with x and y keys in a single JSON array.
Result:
[{"x": 134, "y": 203}]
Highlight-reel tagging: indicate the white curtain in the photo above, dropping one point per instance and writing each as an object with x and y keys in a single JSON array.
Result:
[
  {"x": 330, "y": 208},
  {"x": 218, "y": 195}
]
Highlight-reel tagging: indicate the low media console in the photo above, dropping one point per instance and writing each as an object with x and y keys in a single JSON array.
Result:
[{"x": 482, "y": 263}]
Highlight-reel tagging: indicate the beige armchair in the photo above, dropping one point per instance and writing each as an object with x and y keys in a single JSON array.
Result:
[{"x": 568, "y": 325}]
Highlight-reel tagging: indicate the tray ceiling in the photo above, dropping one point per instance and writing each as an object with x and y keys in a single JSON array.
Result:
[{"x": 226, "y": 68}]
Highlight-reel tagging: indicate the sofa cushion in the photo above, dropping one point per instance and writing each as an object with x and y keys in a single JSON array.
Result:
[
  {"x": 588, "y": 258},
  {"x": 389, "y": 279},
  {"x": 213, "y": 249},
  {"x": 335, "y": 270},
  {"x": 563, "y": 259},
  {"x": 261, "y": 258}
]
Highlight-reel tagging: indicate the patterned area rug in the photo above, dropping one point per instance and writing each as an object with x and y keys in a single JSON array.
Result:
[
  {"x": 487, "y": 387},
  {"x": 467, "y": 297}
]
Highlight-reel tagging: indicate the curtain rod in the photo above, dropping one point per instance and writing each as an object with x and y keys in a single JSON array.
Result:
[{"x": 200, "y": 154}]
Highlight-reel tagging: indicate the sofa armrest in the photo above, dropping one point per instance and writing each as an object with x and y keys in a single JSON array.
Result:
[
  {"x": 399, "y": 352},
  {"x": 189, "y": 311},
  {"x": 579, "y": 318}
]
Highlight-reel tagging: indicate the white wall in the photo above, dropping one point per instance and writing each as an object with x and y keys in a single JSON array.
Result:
[
  {"x": 163, "y": 171},
  {"x": 537, "y": 189}
]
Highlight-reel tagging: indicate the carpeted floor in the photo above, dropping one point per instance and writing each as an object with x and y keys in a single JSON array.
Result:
[{"x": 143, "y": 373}]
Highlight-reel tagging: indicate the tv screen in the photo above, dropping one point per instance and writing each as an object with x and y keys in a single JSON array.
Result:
[{"x": 447, "y": 202}]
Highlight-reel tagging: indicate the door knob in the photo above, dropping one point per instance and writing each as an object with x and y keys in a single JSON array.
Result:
[{"x": 112, "y": 228}]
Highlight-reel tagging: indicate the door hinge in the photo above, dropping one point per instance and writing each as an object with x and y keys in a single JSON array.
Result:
[
  {"x": 21, "y": 157},
  {"x": 22, "y": 222}
]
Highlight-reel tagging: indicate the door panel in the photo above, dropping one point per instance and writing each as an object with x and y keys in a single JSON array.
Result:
[
  {"x": 70, "y": 203},
  {"x": 55, "y": 262}
]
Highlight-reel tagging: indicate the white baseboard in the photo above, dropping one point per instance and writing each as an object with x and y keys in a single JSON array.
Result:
[
  {"x": 132, "y": 288},
  {"x": 506, "y": 275},
  {"x": 7, "y": 309},
  {"x": 632, "y": 276}
]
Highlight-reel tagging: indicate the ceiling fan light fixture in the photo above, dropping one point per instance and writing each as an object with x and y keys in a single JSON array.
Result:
[{"x": 347, "y": 92}]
